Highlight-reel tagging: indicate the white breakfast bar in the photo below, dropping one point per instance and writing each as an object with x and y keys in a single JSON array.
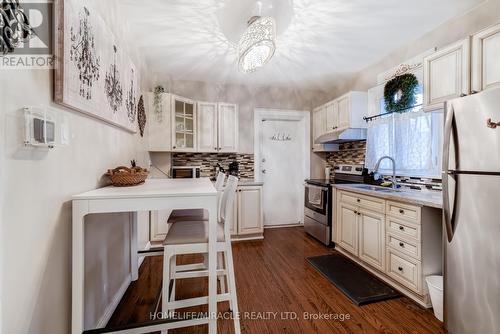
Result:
[{"x": 155, "y": 194}]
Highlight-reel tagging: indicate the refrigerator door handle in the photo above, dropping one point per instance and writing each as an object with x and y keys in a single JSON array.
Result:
[{"x": 449, "y": 133}]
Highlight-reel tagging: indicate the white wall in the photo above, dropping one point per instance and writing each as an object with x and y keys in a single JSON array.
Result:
[{"x": 35, "y": 198}]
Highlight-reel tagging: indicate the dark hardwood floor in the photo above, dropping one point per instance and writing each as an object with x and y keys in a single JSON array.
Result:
[{"x": 273, "y": 276}]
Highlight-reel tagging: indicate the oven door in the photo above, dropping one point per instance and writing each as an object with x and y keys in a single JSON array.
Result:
[{"x": 316, "y": 198}]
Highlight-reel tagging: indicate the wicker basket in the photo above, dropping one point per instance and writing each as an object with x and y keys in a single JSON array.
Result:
[{"x": 126, "y": 177}]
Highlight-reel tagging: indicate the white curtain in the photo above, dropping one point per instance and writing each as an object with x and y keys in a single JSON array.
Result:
[
  {"x": 379, "y": 141},
  {"x": 413, "y": 139}
]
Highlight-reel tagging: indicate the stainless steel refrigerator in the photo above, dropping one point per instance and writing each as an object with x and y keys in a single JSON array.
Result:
[{"x": 471, "y": 188}]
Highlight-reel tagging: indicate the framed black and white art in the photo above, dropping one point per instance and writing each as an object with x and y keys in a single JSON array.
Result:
[{"x": 94, "y": 74}]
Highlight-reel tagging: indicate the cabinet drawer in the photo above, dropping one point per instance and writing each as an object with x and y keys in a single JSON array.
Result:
[
  {"x": 362, "y": 201},
  {"x": 406, "y": 212},
  {"x": 404, "y": 246},
  {"x": 403, "y": 228},
  {"x": 404, "y": 269}
]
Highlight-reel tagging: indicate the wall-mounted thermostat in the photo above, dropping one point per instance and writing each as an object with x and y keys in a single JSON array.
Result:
[{"x": 42, "y": 127}]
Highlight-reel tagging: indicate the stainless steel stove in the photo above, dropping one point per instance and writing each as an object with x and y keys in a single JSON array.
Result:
[{"x": 318, "y": 211}]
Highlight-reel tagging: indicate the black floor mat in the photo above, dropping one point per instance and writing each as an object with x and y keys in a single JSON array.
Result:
[{"x": 354, "y": 281}]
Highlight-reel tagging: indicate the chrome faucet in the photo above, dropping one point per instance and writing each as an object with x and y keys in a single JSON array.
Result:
[{"x": 377, "y": 166}]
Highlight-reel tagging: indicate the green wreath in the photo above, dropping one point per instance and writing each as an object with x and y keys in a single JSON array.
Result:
[{"x": 399, "y": 93}]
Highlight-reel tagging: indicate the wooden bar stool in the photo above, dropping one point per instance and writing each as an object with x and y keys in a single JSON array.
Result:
[{"x": 191, "y": 237}]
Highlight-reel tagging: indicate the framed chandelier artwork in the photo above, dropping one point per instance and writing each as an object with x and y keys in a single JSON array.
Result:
[{"x": 93, "y": 73}]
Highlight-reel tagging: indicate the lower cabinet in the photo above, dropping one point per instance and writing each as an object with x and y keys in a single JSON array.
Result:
[
  {"x": 362, "y": 233},
  {"x": 158, "y": 225},
  {"x": 372, "y": 238},
  {"x": 399, "y": 242},
  {"x": 248, "y": 215},
  {"x": 348, "y": 228}
]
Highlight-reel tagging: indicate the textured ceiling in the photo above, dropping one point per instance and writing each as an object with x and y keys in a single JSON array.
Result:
[{"x": 320, "y": 42}]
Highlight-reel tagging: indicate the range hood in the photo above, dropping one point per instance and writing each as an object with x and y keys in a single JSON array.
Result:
[{"x": 342, "y": 136}]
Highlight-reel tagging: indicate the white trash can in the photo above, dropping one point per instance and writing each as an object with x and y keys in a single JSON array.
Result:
[{"x": 435, "y": 284}]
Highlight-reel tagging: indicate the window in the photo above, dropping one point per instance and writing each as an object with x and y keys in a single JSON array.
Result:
[{"x": 413, "y": 139}]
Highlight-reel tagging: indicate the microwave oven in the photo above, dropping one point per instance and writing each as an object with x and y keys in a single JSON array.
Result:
[{"x": 186, "y": 172}]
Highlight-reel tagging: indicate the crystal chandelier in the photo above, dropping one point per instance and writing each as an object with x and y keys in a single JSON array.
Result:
[{"x": 257, "y": 45}]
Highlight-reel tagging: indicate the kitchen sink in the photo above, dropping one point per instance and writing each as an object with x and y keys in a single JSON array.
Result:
[{"x": 376, "y": 188}]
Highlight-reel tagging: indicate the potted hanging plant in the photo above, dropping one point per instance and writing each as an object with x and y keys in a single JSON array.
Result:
[{"x": 157, "y": 102}]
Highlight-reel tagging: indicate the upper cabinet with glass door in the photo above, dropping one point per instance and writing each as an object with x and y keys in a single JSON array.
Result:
[{"x": 183, "y": 124}]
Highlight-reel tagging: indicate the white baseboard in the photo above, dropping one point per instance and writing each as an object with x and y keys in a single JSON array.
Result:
[
  {"x": 283, "y": 226},
  {"x": 110, "y": 309}
]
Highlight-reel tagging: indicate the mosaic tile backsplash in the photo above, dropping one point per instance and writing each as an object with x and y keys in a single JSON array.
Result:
[
  {"x": 208, "y": 161},
  {"x": 355, "y": 152}
]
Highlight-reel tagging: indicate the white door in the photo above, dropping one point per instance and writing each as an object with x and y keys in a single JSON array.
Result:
[
  {"x": 348, "y": 228},
  {"x": 485, "y": 59},
  {"x": 183, "y": 112},
  {"x": 283, "y": 171},
  {"x": 249, "y": 210},
  {"x": 372, "y": 238},
  {"x": 207, "y": 127},
  {"x": 344, "y": 110},
  {"x": 228, "y": 127},
  {"x": 446, "y": 75},
  {"x": 332, "y": 119}
]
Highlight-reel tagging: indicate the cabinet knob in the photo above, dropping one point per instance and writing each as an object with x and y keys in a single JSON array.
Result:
[
  {"x": 463, "y": 95},
  {"x": 401, "y": 244},
  {"x": 355, "y": 212},
  {"x": 358, "y": 200},
  {"x": 401, "y": 228},
  {"x": 359, "y": 214},
  {"x": 400, "y": 268},
  {"x": 174, "y": 147},
  {"x": 402, "y": 211}
]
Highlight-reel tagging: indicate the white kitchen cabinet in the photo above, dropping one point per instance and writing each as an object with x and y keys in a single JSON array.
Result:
[
  {"x": 372, "y": 238},
  {"x": 250, "y": 217},
  {"x": 319, "y": 122},
  {"x": 348, "y": 228},
  {"x": 159, "y": 124},
  {"x": 319, "y": 118},
  {"x": 332, "y": 116},
  {"x": 486, "y": 59},
  {"x": 447, "y": 75},
  {"x": 344, "y": 112},
  {"x": 401, "y": 243},
  {"x": 158, "y": 224},
  {"x": 207, "y": 127},
  {"x": 183, "y": 124},
  {"x": 228, "y": 131},
  {"x": 375, "y": 100},
  {"x": 217, "y": 127}
]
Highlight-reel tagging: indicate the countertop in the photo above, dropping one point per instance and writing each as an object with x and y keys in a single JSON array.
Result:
[{"x": 433, "y": 199}]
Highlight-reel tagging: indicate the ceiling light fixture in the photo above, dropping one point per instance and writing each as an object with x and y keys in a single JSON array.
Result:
[{"x": 257, "y": 44}]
